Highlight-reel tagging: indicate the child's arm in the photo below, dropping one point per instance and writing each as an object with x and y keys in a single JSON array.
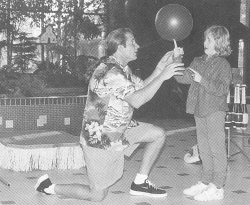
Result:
[
  {"x": 186, "y": 78},
  {"x": 220, "y": 85}
]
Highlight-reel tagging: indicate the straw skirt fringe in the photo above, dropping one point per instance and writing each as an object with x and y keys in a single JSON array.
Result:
[{"x": 62, "y": 158}]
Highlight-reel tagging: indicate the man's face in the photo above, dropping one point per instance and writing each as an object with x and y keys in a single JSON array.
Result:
[{"x": 130, "y": 51}]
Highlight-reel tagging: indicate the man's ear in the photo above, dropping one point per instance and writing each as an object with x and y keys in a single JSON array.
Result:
[{"x": 120, "y": 47}]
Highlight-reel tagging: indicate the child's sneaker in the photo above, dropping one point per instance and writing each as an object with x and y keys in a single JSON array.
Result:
[
  {"x": 212, "y": 193},
  {"x": 193, "y": 156},
  {"x": 42, "y": 183},
  {"x": 147, "y": 189},
  {"x": 196, "y": 189}
]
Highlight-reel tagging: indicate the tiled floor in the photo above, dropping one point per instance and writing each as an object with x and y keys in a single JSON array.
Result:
[{"x": 170, "y": 172}]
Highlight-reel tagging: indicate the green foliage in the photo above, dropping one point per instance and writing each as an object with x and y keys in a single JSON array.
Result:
[
  {"x": 75, "y": 74},
  {"x": 30, "y": 84},
  {"x": 87, "y": 28},
  {"x": 14, "y": 84}
]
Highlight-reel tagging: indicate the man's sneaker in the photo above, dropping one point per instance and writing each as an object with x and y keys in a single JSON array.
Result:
[
  {"x": 42, "y": 183},
  {"x": 196, "y": 189},
  {"x": 212, "y": 193},
  {"x": 147, "y": 189}
]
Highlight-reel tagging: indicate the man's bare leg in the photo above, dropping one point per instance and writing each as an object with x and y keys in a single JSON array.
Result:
[
  {"x": 76, "y": 191},
  {"x": 79, "y": 191},
  {"x": 141, "y": 186},
  {"x": 155, "y": 140}
]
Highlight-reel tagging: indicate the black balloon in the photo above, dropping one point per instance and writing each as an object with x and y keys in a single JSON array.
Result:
[{"x": 173, "y": 21}]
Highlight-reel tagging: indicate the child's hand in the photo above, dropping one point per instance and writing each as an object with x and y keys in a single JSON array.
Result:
[{"x": 196, "y": 76}]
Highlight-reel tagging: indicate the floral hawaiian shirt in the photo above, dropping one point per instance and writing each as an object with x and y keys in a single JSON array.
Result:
[{"x": 106, "y": 114}]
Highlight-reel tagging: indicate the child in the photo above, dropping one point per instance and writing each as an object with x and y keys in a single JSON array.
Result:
[{"x": 210, "y": 76}]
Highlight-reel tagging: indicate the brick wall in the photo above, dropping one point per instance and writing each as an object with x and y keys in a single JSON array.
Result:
[{"x": 42, "y": 113}]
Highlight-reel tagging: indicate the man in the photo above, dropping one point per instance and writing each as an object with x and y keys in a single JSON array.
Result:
[{"x": 108, "y": 133}]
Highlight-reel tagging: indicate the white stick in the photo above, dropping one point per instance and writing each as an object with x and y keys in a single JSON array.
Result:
[{"x": 175, "y": 44}]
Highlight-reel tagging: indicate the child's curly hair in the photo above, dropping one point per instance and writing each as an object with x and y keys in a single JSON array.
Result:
[{"x": 222, "y": 39}]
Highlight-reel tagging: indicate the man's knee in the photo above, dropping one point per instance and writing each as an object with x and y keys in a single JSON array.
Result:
[
  {"x": 159, "y": 134},
  {"x": 98, "y": 196}
]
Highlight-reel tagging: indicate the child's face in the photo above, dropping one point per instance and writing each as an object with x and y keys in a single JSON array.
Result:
[{"x": 209, "y": 45}]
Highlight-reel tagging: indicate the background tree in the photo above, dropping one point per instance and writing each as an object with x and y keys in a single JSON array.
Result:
[
  {"x": 24, "y": 52},
  {"x": 71, "y": 18}
]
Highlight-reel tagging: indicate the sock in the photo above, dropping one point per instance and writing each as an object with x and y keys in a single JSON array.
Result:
[
  {"x": 50, "y": 189},
  {"x": 140, "y": 178}
]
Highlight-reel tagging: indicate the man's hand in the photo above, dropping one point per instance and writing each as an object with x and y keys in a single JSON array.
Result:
[
  {"x": 178, "y": 54},
  {"x": 170, "y": 57},
  {"x": 196, "y": 76},
  {"x": 171, "y": 70},
  {"x": 165, "y": 60}
]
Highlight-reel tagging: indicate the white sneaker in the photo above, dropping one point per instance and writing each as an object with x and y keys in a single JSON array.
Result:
[
  {"x": 212, "y": 193},
  {"x": 196, "y": 189},
  {"x": 192, "y": 156}
]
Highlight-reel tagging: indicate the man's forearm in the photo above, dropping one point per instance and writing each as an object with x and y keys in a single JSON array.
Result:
[
  {"x": 145, "y": 94},
  {"x": 151, "y": 77}
]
